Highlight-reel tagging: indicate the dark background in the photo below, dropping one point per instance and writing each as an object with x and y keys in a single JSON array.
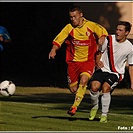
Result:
[{"x": 32, "y": 27}]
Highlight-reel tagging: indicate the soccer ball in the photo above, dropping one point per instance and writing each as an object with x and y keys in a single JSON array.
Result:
[{"x": 7, "y": 88}]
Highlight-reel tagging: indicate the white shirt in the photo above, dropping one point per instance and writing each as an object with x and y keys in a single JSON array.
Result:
[{"x": 122, "y": 52}]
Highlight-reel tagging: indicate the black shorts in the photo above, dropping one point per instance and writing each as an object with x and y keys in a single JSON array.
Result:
[{"x": 102, "y": 77}]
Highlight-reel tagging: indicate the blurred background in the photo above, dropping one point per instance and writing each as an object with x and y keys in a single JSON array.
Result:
[{"x": 32, "y": 27}]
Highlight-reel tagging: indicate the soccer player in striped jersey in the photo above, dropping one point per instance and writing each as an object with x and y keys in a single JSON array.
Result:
[
  {"x": 113, "y": 55},
  {"x": 80, "y": 37},
  {"x": 4, "y": 37}
]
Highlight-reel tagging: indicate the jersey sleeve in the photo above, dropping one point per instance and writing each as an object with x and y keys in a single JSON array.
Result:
[
  {"x": 100, "y": 30},
  {"x": 61, "y": 37}
]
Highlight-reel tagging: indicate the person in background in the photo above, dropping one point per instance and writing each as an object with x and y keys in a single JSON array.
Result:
[
  {"x": 111, "y": 61},
  {"x": 80, "y": 36},
  {"x": 5, "y": 39}
]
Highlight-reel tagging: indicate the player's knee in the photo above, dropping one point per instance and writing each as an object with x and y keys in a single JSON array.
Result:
[
  {"x": 84, "y": 80},
  {"x": 106, "y": 88},
  {"x": 95, "y": 86}
]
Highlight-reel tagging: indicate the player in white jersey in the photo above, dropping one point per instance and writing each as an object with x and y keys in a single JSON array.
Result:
[{"x": 111, "y": 61}]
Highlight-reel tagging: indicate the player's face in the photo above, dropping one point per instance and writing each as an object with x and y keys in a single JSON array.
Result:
[
  {"x": 76, "y": 18},
  {"x": 121, "y": 34}
]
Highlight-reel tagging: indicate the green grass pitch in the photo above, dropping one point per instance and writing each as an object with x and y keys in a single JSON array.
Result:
[{"x": 45, "y": 109}]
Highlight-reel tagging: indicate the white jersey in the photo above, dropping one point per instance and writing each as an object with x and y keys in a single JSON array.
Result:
[{"x": 122, "y": 53}]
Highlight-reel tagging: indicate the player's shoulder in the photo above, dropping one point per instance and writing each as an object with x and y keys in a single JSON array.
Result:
[
  {"x": 69, "y": 25},
  {"x": 67, "y": 28},
  {"x": 113, "y": 36},
  {"x": 89, "y": 22},
  {"x": 93, "y": 24},
  {"x": 129, "y": 42}
]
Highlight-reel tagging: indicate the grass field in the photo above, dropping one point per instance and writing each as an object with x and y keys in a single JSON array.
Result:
[{"x": 44, "y": 109}]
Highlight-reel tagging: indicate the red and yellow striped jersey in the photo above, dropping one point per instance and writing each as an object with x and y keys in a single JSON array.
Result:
[{"x": 81, "y": 40}]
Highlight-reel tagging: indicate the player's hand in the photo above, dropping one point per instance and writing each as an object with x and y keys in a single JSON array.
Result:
[
  {"x": 101, "y": 40},
  {"x": 52, "y": 54},
  {"x": 99, "y": 64}
]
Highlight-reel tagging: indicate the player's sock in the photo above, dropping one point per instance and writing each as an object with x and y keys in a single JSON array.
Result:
[
  {"x": 79, "y": 95},
  {"x": 105, "y": 100},
  {"x": 94, "y": 99}
]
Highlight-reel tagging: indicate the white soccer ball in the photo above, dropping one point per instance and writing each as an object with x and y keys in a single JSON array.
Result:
[{"x": 7, "y": 88}]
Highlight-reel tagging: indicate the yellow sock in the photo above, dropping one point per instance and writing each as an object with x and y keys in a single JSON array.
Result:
[{"x": 79, "y": 95}]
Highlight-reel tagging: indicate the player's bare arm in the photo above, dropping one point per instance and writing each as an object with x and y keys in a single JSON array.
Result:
[{"x": 99, "y": 64}]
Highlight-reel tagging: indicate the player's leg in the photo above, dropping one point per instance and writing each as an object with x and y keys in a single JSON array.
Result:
[
  {"x": 111, "y": 81},
  {"x": 73, "y": 77},
  {"x": 79, "y": 94},
  {"x": 95, "y": 85},
  {"x": 73, "y": 87},
  {"x": 81, "y": 71},
  {"x": 94, "y": 95},
  {"x": 105, "y": 101},
  {"x": 86, "y": 70},
  {"x": 81, "y": 90}
]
